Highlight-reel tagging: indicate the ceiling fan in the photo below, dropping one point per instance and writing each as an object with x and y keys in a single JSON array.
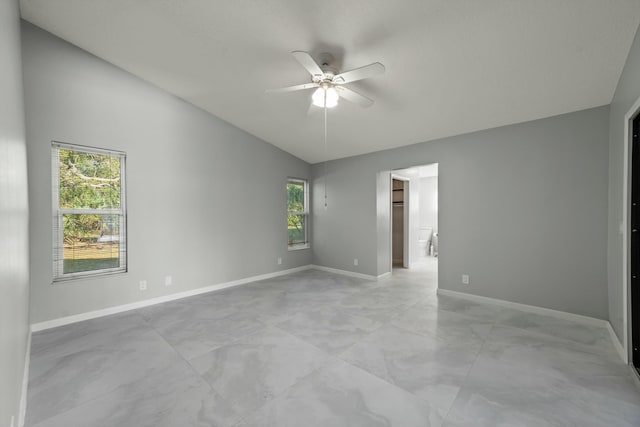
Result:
[{"x": 330, "y": 83}]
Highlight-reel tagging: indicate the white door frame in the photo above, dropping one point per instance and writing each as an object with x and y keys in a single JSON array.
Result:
[
  {"x": 405, "y": 236},
  {"x": 625, "y": 226}
]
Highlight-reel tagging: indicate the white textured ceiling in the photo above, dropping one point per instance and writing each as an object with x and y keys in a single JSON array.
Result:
[{"x": 453, "y": 66}]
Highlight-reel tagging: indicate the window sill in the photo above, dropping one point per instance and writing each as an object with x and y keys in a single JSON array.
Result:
[
  {"x": 299, "y": 247},
  {"x": 88, "y": 276}
]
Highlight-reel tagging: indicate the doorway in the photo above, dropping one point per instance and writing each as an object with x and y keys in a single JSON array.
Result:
[
  {"x": 399, "y": 221},
  {"x": 635, "y": 242},
  {"x": 416, "y": 222},
  {"x": 411, "y": 227}
]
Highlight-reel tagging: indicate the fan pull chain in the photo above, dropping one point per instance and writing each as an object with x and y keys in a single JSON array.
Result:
[{"x": 326, "y": 152}]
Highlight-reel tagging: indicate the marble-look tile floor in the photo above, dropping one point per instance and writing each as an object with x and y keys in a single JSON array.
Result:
[{"x": 319, "y": 349}]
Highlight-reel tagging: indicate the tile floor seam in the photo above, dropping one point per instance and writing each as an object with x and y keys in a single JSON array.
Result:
[
  {"x": 605, "y": 333},
  {"x": 382, "y": 324},
  {"x": 558, "y": 375},
  {"x": 291, "y": 334},
  {"x": 99, "y": 396},
  {"x": 329, "y": 358},
  {"x": 104, "y": 394},
  {"x": 353, "y": 316},
  {"x": 70, "y": 409},
  {"x": 233, "y": 340},
  {"x": 385, "y": 379},
  {"x": 421, "y": 333},
  {"x": 428, "y": 334},
  {"x": 497, "y": 322},
  {"x": 466, "y": 377},
  {"x": 338, "y": 359},
  {"x": 566, "y": 340},
  {"x": 329, "y": 355}
]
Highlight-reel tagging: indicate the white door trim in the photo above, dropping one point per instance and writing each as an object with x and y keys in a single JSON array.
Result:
[{"x": 626, "y": 210}]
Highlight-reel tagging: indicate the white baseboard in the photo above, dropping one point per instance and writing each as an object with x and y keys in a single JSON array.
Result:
[
  {"x": 343, "y": 272},
  {"x": 54, "y": 323},
  {"x": 383, "y": 275},
  {"x": 25, "y": 384},
  {"x": 35, "y": 327},
  {"x": 585, "y": 320},
  {"x": 617, "y": 344}
]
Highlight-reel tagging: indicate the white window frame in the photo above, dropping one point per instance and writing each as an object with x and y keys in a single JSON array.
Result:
[
  {"x": 58, "y": 224},
  {"x": 306, "y": 244}
]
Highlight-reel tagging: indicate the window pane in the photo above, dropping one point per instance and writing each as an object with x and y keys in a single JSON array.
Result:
[
  {"x": 297, "y": 229},
  {"x": 295, "y": 196},
  {"x": 91, "y": 242},
  {"x": 89, "y": 180}
]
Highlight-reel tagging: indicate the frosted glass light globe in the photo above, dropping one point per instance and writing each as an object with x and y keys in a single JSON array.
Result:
[{"x": 318, "y": 97}]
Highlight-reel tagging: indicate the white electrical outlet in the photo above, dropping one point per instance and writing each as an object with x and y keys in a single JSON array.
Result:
[
  {"x": 168, "y": 280},
  {"x": 465, "y": 279},
  {"x": 143, "y": 285},
  {"x": 355, "y": 261},
  {"x": 279, "y": 260}
]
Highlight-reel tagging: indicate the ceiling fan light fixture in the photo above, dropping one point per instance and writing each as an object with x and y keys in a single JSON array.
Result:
[{"x": 318, "y": 97}]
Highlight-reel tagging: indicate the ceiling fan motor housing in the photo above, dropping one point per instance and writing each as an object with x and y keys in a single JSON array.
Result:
[{"x": 327, "y": 64}]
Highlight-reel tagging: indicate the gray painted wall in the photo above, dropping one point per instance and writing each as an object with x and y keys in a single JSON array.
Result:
[
  {"x": 523, "y": 211},
  {"x": 627, "y": 92},
  {"x": 383, "y": 216},
  {"x": 206, "y": 200},
  {"x": 14, "y": 218}
]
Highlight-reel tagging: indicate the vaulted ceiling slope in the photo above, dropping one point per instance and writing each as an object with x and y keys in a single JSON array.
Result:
[{"x": 451, "y": 66}]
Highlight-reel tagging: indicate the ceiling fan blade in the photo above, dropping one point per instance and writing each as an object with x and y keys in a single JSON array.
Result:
[
  {"x": 359, "y": 73},
  {"x": 353, "y": 96},
  {"x": 308, "y": 63},
  {"x": 293, "y": 88}
]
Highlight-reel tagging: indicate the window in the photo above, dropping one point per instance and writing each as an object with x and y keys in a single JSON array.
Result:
[
  {"x": 297, "y": 213},
  {"x": 89, "y": 215}
]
